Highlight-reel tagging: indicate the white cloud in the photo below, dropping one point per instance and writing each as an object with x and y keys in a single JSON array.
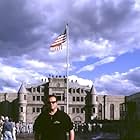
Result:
[
  {"x": 12, "y": 77},
  {"x": 137, "y": 5},
  {"x": 81, "y": 81},
  {"x": 118, "y": 83},
  {"x": 101, "y": 62},
  {"x": 36, "y": 64}
]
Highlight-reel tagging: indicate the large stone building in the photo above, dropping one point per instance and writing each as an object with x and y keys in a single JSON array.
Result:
[{"x": 84, "y": 105}]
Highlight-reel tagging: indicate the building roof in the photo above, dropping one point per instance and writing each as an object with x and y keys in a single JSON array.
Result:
[
  {"x": 75, "y": 84},
  {"x": 93, "y": 91},
  {"x": 22, "y": 89}
]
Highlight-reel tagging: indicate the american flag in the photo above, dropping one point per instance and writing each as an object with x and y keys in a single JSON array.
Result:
[{"x": 57, "y": 44}]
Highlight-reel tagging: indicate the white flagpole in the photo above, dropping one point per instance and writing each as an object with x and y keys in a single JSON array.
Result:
[{"x": 67, "y": 69}]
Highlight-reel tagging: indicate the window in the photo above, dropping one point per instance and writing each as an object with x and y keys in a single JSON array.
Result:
[
  {"x": 69, "y": 90},
  {"x": 63, "y": 97},
  {"x": 21, "y": 109},
  {"x": 58, "y": 97},
  {"x": 93, "y": 110},
  {"x": 82, "y": 99},
  {"x": 78, "y": 90},
  {"x": 111, "y": 111},
  {"x": 41, "y": 89},
  {"x": 73, "y": 99},
  {"x": 24, "y": 97},
  {"x": 77, "y": 99},
  {"x": 73, "y": 110},
  {"x": 33, "y": 109},
  {"x": 33, "y": 98},
  {"x": 122, "y": 111},
  {"x": 34, "y": 89},
  {"x": 37, "y": 110},
  {"x": 100, "y": 111},
  {"x": 96, "y": 98},
  {"x": 38, "y": 98},
  {"x": 42, "y": 98},
  {"x": 77, "y": 110},
  {"x": 82, "y": 110}
]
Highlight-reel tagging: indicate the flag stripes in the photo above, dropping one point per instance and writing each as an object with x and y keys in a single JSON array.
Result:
[{"x": 57, "y": 44}]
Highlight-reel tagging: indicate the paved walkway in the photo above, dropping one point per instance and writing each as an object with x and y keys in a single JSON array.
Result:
[
  {"x": 30, "y": 137},
  {"x": 84, "y": 136}
]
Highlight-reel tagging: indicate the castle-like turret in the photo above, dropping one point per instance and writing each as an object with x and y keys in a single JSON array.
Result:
[
  {"x": 22, "y": 101},
  {"x": 94, "y": 103}
]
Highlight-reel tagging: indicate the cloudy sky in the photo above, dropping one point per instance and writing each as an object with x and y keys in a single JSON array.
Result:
[{"x": 104, "y": 43}]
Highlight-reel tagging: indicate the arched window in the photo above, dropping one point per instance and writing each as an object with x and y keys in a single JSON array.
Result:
[
  {"x": 100, "y": 111},
  {"x": 111, "y": 111}
]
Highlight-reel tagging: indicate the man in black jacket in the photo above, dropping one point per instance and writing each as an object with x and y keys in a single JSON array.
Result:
[{"x": 53, "y": 124}]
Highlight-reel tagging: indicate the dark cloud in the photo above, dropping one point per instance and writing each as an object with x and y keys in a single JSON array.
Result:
[
  {"x": 101, "y": 18},
  {"x": 23, "y": 24},
  {"x": 17, "y": 23}
]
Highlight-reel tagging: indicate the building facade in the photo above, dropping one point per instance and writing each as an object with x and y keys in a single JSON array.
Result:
[{"x": 83, "y": 105}]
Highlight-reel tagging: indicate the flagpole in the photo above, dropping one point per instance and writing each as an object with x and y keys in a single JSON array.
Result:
[{"x": 67, "y": 69}]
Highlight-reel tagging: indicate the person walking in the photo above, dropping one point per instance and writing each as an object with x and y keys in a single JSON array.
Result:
[
  {"x": 14, "y": 131},
  {"x": 52, "y": 123},
  {"x": 1, "y": 127},
  {"x": 7, "y": 129}
]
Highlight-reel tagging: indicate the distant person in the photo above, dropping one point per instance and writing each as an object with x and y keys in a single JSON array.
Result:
[
  {"x": 53, "y": 124},
  {"x": 7, "y": 129},
  {"x": 14, "y": 131},
  {"x": 1, "y": 127}
]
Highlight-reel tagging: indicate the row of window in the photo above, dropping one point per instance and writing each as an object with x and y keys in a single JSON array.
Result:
[
  {"x": 77, "y": 110},
  {"x": 78, "y": 99},
  {"x": 74, "y": 99},
  {"x": 38, "y": 98},
  {"x": 71, "y": 90},
  {"x": 38, "y": 110},
  {"x": 35, "y": 98},
  {"x": 36, "y": 89},
  {"x": 34, "y": 109}
]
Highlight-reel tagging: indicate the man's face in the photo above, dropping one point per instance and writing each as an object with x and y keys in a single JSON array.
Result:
[{"x": 52, "y": 103}]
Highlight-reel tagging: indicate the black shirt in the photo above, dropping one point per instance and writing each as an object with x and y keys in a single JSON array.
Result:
[{"x": 53, "y": 127}]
